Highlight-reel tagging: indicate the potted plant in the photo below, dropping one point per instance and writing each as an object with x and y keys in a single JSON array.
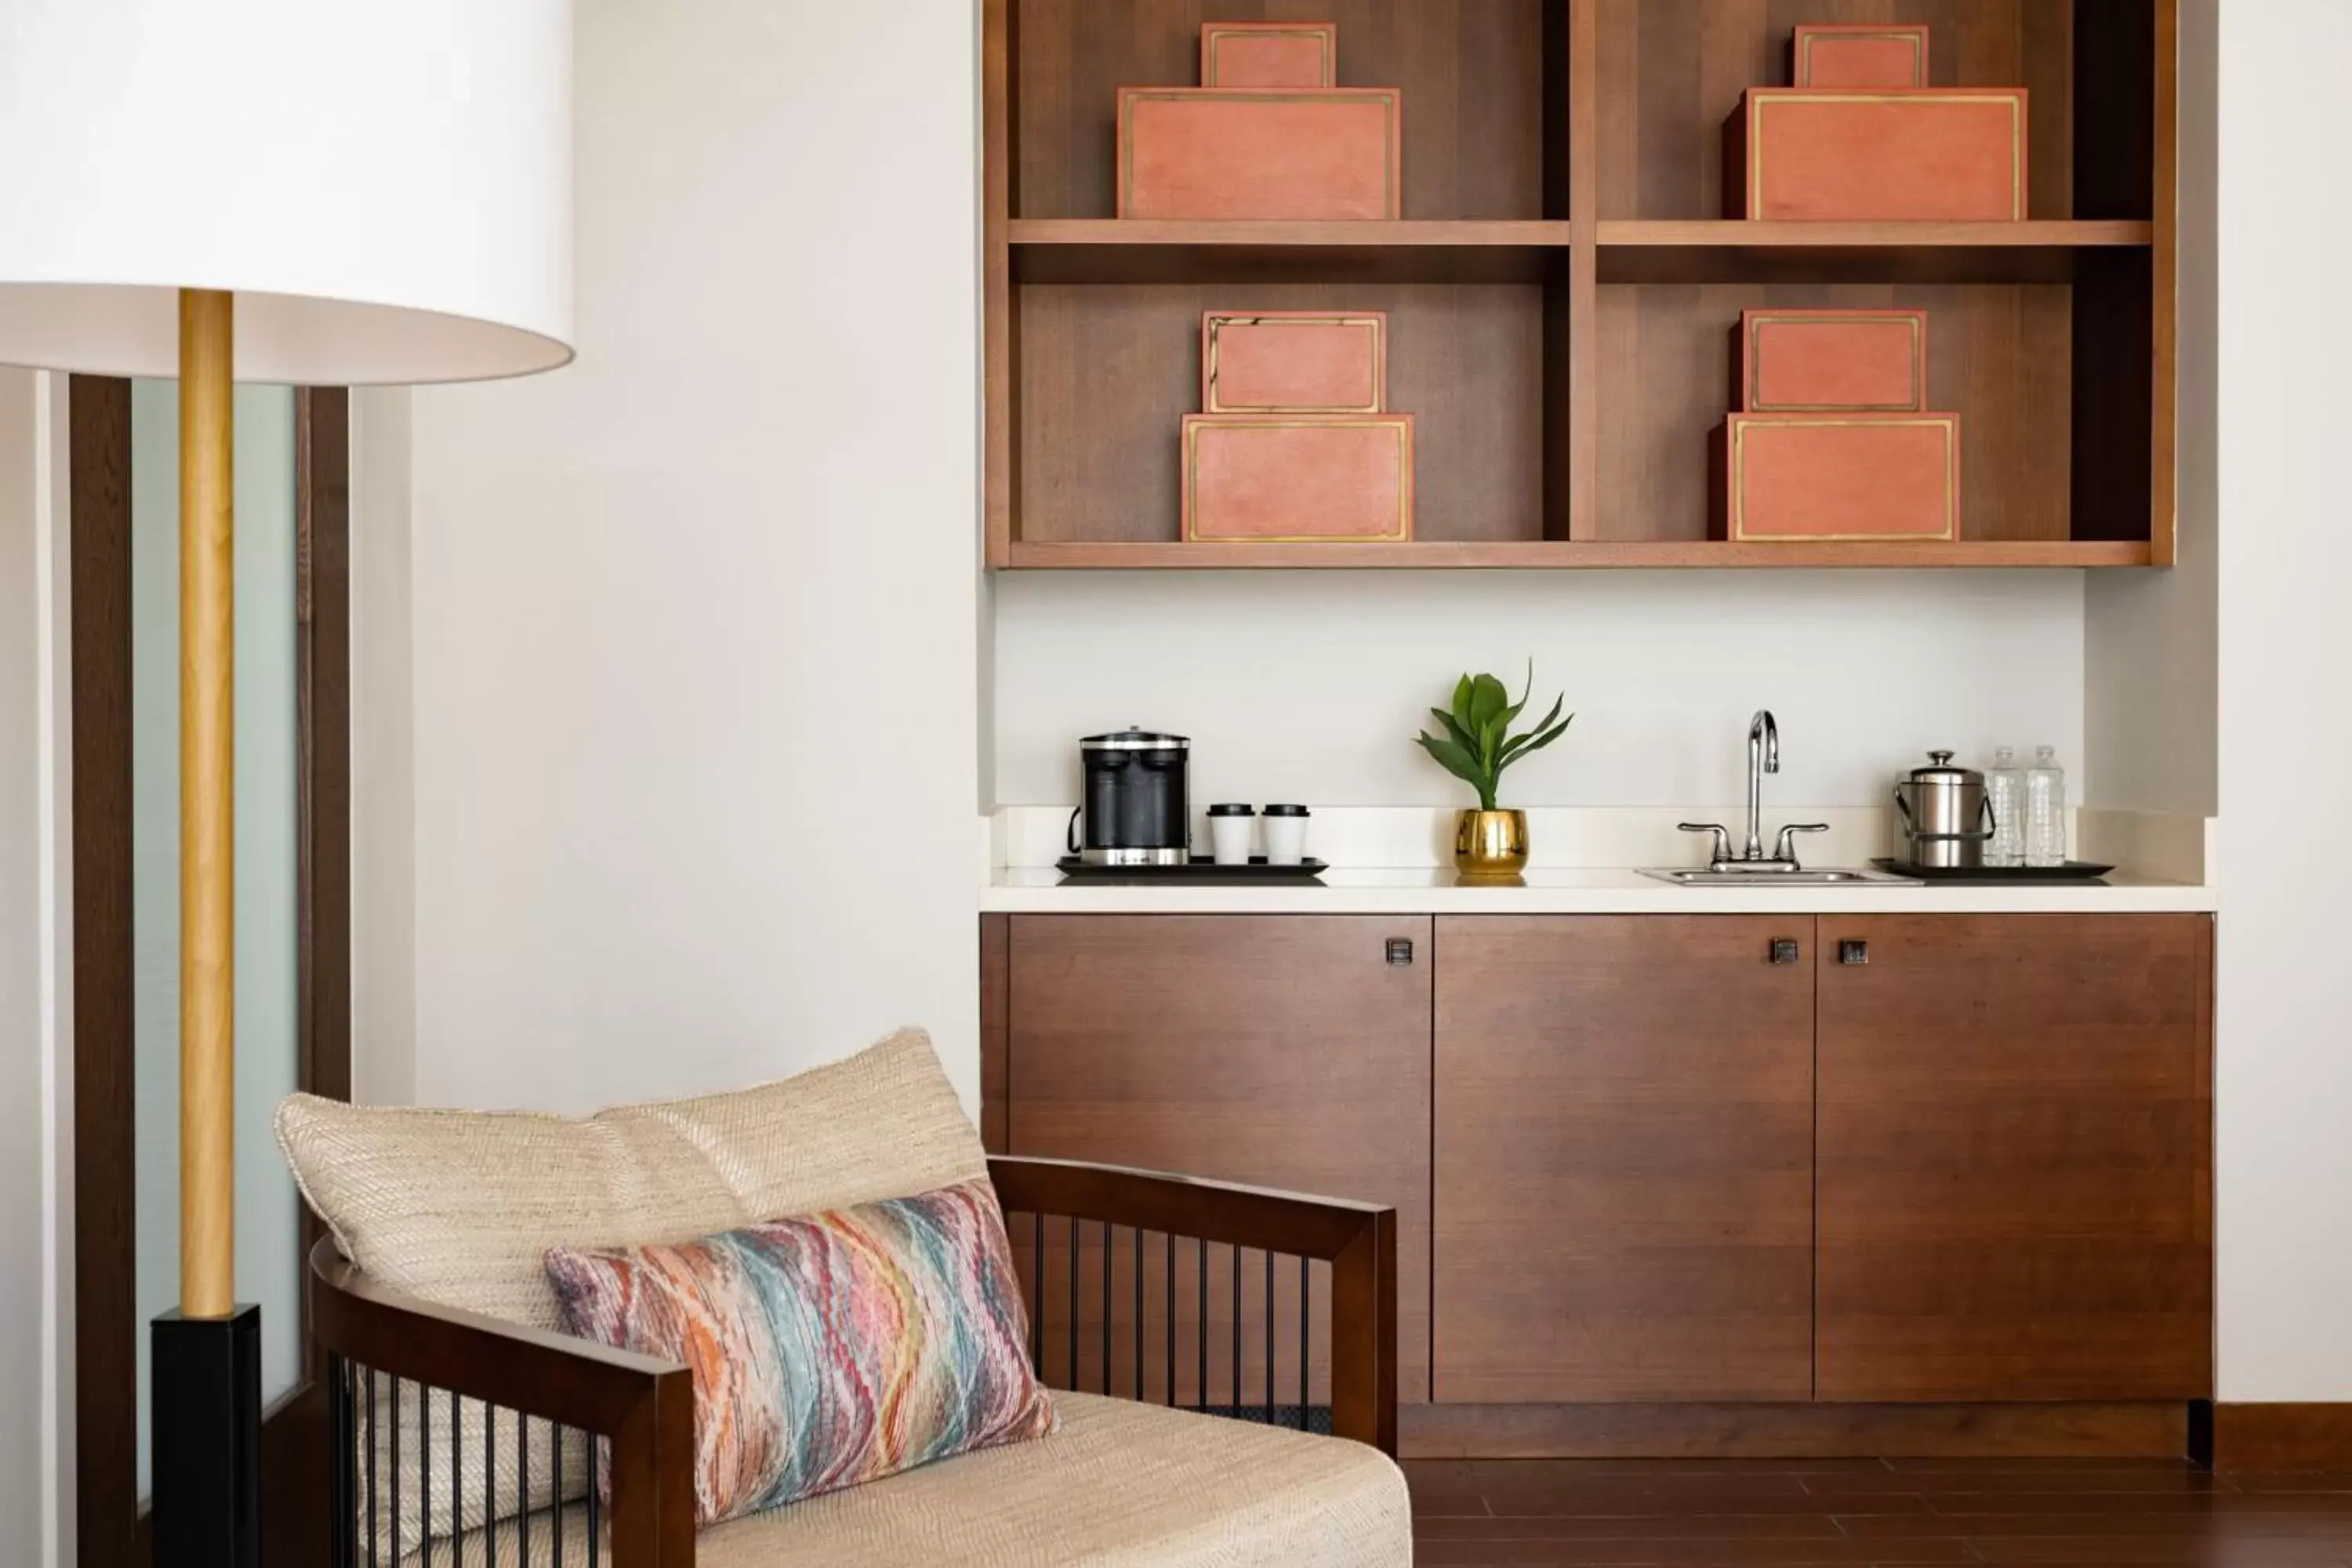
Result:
[{"x": 1475, "y": 744}]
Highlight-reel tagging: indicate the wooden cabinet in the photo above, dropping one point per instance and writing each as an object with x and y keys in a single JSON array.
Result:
[
  {"x": 2014, "y": 1158},
  {"x": 1624, "y": 1160},
  {"x": 1637, "y": 1160},
  {"x": 1286, "y": 1052}
]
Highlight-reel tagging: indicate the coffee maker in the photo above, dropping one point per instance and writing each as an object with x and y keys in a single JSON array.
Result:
[{"x": 1137, "y": 800}]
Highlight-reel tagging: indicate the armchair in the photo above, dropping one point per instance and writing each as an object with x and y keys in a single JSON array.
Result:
[{"x": 541, "y": 1392}]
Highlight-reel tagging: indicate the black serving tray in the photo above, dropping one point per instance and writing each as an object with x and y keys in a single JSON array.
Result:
[
  {"x": 1201, "y": 870},
  {"x": 2071, "y": 871}
]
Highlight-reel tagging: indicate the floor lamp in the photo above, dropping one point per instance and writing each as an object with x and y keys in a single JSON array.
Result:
[{"x": 308, "y": 191}]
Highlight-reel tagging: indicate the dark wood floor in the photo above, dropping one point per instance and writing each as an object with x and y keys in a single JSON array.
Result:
[{"x": 1792, "y": 1512}]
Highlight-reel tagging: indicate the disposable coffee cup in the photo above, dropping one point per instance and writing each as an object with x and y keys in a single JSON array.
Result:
[
  {"x": 1231, "y": 827},
  {"x": 1286, "y": 835}
]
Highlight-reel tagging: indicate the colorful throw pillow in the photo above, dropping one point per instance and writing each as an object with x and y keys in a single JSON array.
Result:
[{"x": 828, "y": 1349}]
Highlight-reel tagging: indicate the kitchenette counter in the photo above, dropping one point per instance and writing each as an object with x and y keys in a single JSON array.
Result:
[
  {"x": 1425, "y": 891},
  {"x": 1400, "y": 861}
]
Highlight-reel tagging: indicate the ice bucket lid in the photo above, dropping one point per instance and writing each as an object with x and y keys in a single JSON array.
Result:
[
  {"x": 1134, "y": 741},
  {"x": 1941, "y": 770}
]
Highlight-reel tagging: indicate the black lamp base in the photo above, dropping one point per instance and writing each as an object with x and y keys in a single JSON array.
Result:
[{"x": 207, "y": 1440}]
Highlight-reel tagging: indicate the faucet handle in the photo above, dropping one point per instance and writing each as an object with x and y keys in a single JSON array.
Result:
[
  {"x": 1786, "y": 849},
  {"x": 1722, "y": 855}
]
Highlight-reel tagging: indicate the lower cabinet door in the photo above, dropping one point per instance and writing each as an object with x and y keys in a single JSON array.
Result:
[
  {"x": 2015, "y": 1158},
  {"x": 1282, "y": 1051},
  {"x": 1623, "y": 1159}
]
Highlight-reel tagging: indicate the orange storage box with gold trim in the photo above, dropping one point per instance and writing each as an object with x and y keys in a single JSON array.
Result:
[
  {"x": 1949, "y": 154},
  {"x": 1788, "y": 478},
  {"x": 1820, "y": 362},
  {"x": 1858, "y": 55},
  {"x": 1294, "y": 362},
  {"x": 1269, "y": 54},
  {"x": 1306, "y": 154},
  {"x": 1320, "y": 478}
]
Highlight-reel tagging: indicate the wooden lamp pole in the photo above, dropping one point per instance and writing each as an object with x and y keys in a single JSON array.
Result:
[
  {"x": 206, "y": 1356},
  {"x": 208, "y": 806}
]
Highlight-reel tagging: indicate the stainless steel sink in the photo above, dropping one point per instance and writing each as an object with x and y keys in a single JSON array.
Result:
[
  {"x": 1735, "y": 876},
  {"x": 1750, "y": 867}
]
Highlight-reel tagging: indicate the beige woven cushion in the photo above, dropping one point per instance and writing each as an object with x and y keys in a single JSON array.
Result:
[
  {"x": 461, "y": 1207},
  {"x": 1123, "y": 1485}
]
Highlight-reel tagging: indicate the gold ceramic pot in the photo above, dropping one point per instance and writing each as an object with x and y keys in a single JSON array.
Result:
[{"x": 1491, "y": 843}]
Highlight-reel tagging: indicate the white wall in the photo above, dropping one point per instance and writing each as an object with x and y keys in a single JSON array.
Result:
[
  {"x": 22, "y": 1192},
  {"x": 36, "y": 1406},
  {"x": 2284, "y": 1047},
  {"x": 692, "y": 617},
  {"x": 694, "y": 622},
  {"x": 1308, "y": 685},
  {"x": 383, "y": 753},
  {"x": 53, "y": 531},
  {"x": 2151, "y": 681}
]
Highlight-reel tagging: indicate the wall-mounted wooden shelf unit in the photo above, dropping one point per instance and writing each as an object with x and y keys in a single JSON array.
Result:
[{"x": 1562, "y": 288}]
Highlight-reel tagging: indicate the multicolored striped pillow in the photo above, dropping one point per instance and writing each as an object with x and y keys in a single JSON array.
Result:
[{"x": 829, "y": 1350}]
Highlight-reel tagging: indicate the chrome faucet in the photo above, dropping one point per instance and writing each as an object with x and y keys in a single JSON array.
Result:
[{"x": 1763, "y": 757}]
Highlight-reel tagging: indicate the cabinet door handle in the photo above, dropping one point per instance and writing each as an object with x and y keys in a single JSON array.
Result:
[
  {"x": 1399, "y": 952},
  {"x": 1785, "y": 949},
  {"x": 1852, "y": 951}
]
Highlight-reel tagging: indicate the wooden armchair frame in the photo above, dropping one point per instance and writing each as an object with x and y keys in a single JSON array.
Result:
[{"x": 642, "y": 1409}]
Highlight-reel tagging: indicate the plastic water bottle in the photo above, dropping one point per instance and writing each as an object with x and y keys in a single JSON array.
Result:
[
  {"x": 2045, "y": 809},
  {"x": 2005, "y": 798}
]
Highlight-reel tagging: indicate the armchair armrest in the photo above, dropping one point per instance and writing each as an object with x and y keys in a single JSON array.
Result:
[
  {"x": 1358, "y": 1239},
  {"x": 643, "y": 1407}
]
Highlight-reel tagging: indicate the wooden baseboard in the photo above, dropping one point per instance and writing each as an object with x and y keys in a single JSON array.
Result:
[
  {"x": 2147, "y": 1430},
  {"x": 2282, "y": 1437}
]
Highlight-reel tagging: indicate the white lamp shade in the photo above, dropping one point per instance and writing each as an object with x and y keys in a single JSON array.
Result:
[{"x": 385, "y": 185}]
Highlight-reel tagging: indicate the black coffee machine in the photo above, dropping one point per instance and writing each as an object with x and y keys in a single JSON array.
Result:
[{"x": 1138, "y": 807}]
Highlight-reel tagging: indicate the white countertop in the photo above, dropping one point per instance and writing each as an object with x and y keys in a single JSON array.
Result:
[{"x": 1422, "y": 891}]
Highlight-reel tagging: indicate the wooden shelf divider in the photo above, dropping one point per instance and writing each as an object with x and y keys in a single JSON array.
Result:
[
  {"x": 1110, "y": 250},
  {"x": 1582, "y": 304}
]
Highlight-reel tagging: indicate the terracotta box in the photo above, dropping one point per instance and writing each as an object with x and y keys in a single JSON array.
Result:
[
  {"x": 1946, "y": 155},
  {"x": 1294, "y": 362},
  {"x": 1858, "y": 56},
  {"x": 1266, "y": 478},
  {"x": 1260, "y": 152},
  {"x": 1812, "y": 361},
  {"x": 1819, "y": 477},
  {"x": 1269, "y": 54}
]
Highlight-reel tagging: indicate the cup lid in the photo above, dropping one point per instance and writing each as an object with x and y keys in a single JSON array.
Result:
[
  {"x": 1287, "y": 811},
  {"x": 1232, "y": 808}
]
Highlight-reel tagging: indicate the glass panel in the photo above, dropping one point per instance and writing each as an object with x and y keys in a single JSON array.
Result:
[{"x": 268, "y": 1261}]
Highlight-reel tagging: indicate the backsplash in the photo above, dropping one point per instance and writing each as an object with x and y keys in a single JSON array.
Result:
[{"x": 1307, "y": 685}]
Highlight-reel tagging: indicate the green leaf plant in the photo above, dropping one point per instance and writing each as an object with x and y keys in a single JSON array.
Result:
[{"x": 1474, "y": 742}]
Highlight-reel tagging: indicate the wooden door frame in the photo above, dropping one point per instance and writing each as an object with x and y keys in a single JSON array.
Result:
[
  {"x": 111, "y": 1527},
  {"x": 108, "y": 1526}
]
